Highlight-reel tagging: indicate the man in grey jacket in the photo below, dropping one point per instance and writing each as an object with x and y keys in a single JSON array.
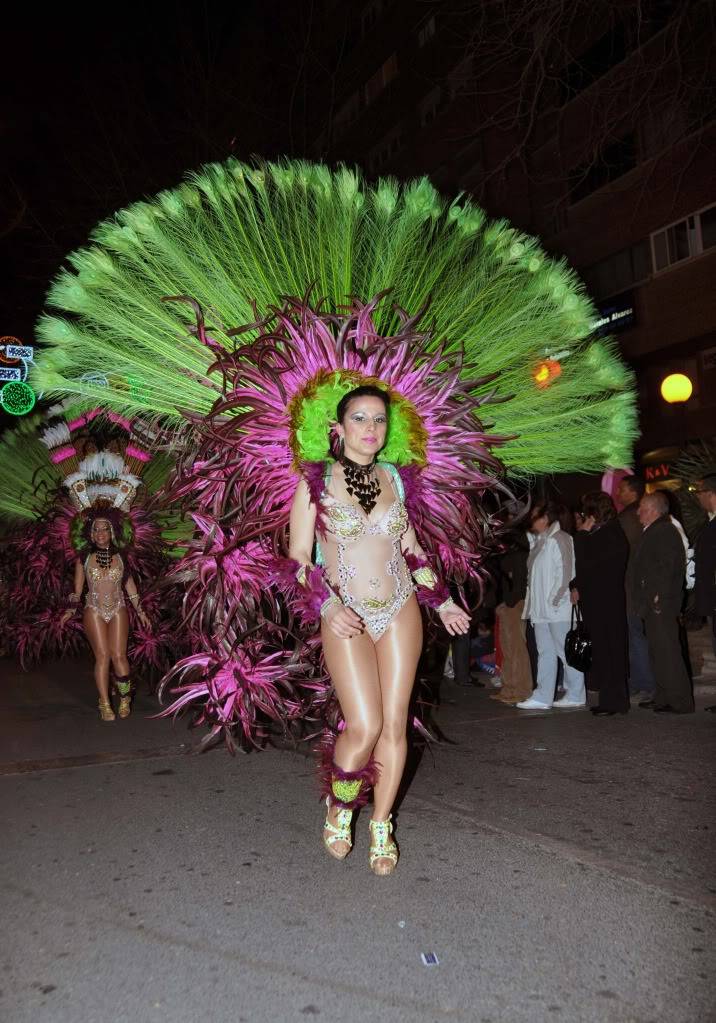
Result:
[{"x": 656, "y": 583}]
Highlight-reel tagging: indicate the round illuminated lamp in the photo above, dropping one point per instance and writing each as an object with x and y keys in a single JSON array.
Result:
[
  {"x": 547, "y": 371},
  {"x": 17, "y": 398},
  {"x": 676, "y": 388}
]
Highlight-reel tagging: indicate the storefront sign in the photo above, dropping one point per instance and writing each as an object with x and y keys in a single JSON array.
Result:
[{"x": 615, "y": 314}]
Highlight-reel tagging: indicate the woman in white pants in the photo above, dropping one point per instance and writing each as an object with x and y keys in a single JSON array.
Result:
[{"x": 550, "y": 567}]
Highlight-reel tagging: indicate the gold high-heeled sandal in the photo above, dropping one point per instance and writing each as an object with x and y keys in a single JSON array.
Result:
[
  {"x": 105, "y": 710},
  {"x": 382, "y": 847},
  {"x": 340, "y": 832}
]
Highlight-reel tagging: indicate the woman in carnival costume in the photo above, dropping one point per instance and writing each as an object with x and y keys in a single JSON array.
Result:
[
  {"x": 105, "y": 617},
  {"x": 371, "y": 630},
  {"x": 251, "y": 408},
  {"x": 77, "y": 507}
]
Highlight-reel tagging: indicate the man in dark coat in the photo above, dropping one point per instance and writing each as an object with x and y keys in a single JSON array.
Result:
[
  {"x": 601, "y": 552},
  {"x": 705, "y": 555},
  {"x": 656, "y": 584},
  {"x": 705, "y": 559},
  {"x": 641, "y": 678}
]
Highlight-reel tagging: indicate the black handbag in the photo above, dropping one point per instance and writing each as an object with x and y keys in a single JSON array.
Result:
[{"x": 578, "y": 643}]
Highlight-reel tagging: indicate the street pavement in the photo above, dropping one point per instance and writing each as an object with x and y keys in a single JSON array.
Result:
[{"x": 557, "y": 866}]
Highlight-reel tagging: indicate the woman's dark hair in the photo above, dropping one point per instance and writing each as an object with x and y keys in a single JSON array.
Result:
[
  {"x": 550, "y": 509},
  {"x": 364, "y": 391},
  {"x": 599, "y": 506},
  {"x": 636, "y": 485}
]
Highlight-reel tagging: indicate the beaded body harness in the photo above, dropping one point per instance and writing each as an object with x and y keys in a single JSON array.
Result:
[
  {"x": 104, "y": 587},
  {"x": 364, "y": 559}
]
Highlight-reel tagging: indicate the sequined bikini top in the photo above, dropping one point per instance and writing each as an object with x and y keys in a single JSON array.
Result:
[
  {"x": 97, "y": 574},
  {"x": 348, "y": 522}
]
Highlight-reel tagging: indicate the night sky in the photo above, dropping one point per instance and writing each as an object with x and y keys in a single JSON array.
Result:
[{"x": 98, "y": 114}]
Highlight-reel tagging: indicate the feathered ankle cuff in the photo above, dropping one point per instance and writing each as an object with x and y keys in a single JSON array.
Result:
[{"x": 346, "y": 789}]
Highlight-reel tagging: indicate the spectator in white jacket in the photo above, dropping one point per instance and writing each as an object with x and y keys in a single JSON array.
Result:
[{"x": 550, "y": 568}]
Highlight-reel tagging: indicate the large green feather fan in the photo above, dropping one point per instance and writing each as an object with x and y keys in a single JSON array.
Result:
[{"x": 237, "y": 238}]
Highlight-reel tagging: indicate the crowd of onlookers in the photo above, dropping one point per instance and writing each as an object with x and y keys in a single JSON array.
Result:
[{"x": 625, "y": 573}]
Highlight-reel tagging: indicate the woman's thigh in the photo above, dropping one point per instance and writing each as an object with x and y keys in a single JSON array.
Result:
[
  {"x": 398, "y": 651},
  {"x": 353, "y": 667},
  {"x": 97, "y": 632},
  {"x": 119, "y": 634}
]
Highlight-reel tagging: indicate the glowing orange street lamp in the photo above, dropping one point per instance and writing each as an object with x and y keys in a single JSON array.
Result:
[
  {"x": 676, "y": 388},
  {"x": 546, "y": 372}
]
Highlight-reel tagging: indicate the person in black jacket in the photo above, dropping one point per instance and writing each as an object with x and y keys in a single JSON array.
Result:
[
  {"x": 705, "y": 555},
  {"x": 656, "y": 585},
  {"x": 641, "y": 678},
  {"x": 601, "y": 552}
]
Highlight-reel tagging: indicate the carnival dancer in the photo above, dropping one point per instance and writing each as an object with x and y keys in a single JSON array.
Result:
[
  {"x": 371, "y": 629},
  {"x": 68, "y": 483},
  {"x": 105, "y": 617}
]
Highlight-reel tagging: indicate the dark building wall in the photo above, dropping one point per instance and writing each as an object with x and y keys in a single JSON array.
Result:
[{"x": 605, "y": 164}]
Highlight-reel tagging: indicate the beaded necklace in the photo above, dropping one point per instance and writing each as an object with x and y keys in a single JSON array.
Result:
[{"x": 361, "y": 481}]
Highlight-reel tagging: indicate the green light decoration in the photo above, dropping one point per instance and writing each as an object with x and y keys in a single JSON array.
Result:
[{"x": 17, "y": 398}]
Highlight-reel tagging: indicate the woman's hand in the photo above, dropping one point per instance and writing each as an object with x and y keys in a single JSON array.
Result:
[
  {"x": 142, "y": 616},
  {"x": 587, "y": 524},
  {"x": 574, "y": 595},
  {"x": 455, "y": 620},
  {"x": 344, "y": 622},
  {"x": 69, "y": 613}
]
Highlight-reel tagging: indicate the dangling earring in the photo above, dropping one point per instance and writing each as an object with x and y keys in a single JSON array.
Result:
[{"x": 341, "y": 447}]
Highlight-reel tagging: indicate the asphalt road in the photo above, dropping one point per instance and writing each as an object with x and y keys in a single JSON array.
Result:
[{"x": 559, "y": 867}]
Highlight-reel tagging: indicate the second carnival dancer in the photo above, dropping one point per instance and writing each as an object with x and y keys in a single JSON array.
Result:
[
  {"x": 104, "y": 616},
  {"x": 371, "y": 630},
  {"x": 69, "y": 482}
]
